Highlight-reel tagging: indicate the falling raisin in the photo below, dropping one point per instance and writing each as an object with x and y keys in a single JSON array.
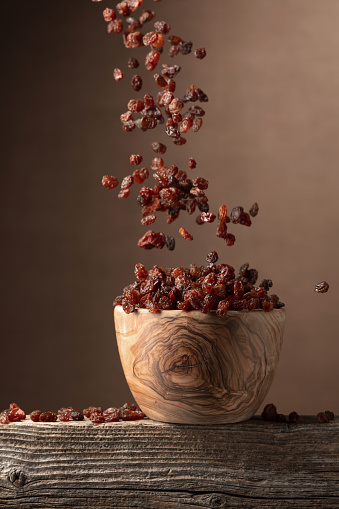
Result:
[
  {"x": 185, "y": 235},
  {"x": 136, "y": 83},
  {"x": 118, "y": 74},
  {"x": 135, "y": 159},
  {"x": 109, "y": 15},
  {"x": 170, "y": 242},
  {"x": 162, "y": 27},
  {"x": 200, "y": 53},
  {"x": 133, "y": 63},
  {"x": 159, "y": 148},
  {"x": 321, "y": 287},
  {"x": 254, "y": 209}
]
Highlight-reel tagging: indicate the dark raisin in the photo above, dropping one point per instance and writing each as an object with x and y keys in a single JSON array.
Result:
[
  {"x": 212, "y": 257},
  {"x": 186, "y": 47},
  {"x": 294, "y": 417},
  {"x": 270, "y": 412},
  {"x": 323, "y": 417},
  {"x": 330, "y": 414},
  {"x": 136, "y": 83},
  {"x": 321, "y": 287},
  {"x": 170, "y": 243},
  {"x": 200, "y": 53},
  {"x": 254, "y": 209},
  {"x": 133, "y": 63}
]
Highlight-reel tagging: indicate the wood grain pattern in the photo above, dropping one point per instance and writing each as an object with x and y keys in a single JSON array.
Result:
[
  {"x": 192, "y": 368},
  {"x": 150, "y": 465}
]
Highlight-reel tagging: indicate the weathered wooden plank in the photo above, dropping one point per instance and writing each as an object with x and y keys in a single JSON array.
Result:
[{"x": 149, "y": 464}]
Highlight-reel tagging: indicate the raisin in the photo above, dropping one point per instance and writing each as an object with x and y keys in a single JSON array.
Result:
[
  {"x": 212, "y": 257},
  {"x": 135, "y": 105},
  {"x": 269, "y": 413},
  {"x": 294, "y": 417},
  {"x": 192, "y": 163},
  {"x": 176, "y": 105},
  {"x": 160, "y": 80},
  {"x": 112, "y": 414},
  {"x": 146, "y": 221},
  {"x": 254, "y": 209},
  {"x": 223, "y": 308},
  {"x": 186, "y": 124},
  {"x": 133, "y": 63},
  {"x": 35, "y": 415},
  {"x": 229, "y": 239},
  {"x": 207, "y": 217},
  {"x": 4, "y": 417},
  {"x": 128, "y": 126},
  {"x": 321, "y": 287},
  {"x": 135, "y": 159},
  {"x": 115, "y": 27},
  {"x": 109, "y": 181},
  {"x": 330, "y": 414},
  {"x": 118, "y": 74},
  {"x": 136, "y": 83},
  {"x": 152, "y": 59},
  {"x": 146, "y": 16},
  {"x": 185, "y": 235},
  {"x": 131, "y": 415},
  {"x": 90, "y": 410},
  {"x": 200, "y": 53},
  {"x": 152, "y": 240},
  {"x": 109, "y": 15},
  {"x": 159, "y": 148},
  {"x": 97, "y": 418},
  {"x": 162, "y": 27},
  {"x": 170, "y": 243},
  {"x": 197, "y": 123},
  {"x": 267, "y": 305},
  {"x": 323, "y": 417},
  {"x": 170, "y": 70},
  {"x": 123, "y": 8},
  {"x": 48, "y": 417},
  {"x": 186, "y": 47},
  {"x": 124, "y": 193},
  {"x": 127, "y": 182},
  {"x": 174, "y": 40}
]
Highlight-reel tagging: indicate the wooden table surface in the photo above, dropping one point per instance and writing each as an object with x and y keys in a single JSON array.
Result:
[{"x": 147, "y": 464}]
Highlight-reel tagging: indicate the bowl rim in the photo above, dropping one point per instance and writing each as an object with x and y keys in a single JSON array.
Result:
[{"x": 210, "y": 313}]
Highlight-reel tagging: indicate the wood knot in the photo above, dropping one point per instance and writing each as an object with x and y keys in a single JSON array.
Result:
[
  {"x": 17, "y": 477},
  {"x": 216, "y": 501}
]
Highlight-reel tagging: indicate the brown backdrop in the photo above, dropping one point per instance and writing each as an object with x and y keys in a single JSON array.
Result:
[{"x": 69, "y": 246}]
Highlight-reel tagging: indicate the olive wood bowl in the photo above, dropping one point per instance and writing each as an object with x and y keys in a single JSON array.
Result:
[{"x": 193, "y": 368}]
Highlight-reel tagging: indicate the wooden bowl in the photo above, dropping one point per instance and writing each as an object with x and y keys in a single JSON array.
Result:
[{"x": 191, "y": 368}]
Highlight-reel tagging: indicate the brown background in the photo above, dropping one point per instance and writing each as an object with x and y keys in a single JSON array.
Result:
[{"x": 69, "y": 246}]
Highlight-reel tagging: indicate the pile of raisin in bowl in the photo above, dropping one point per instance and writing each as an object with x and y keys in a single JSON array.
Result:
[{"x": 214, "y": 287}]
